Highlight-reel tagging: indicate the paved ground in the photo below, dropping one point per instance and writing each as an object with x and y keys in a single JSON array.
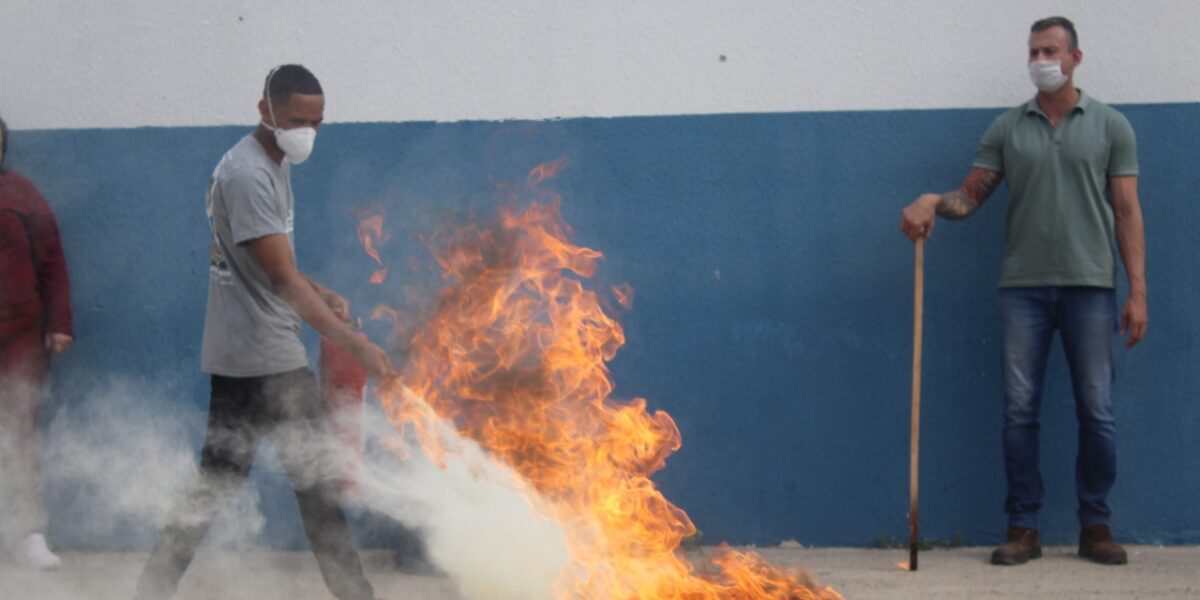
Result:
[
  {"x": 964, "y": 573},
  {"x": 1153, "y": 572}
]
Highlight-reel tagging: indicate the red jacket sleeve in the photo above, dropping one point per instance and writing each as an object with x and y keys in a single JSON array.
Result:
[{"x": 51, "y": 264}]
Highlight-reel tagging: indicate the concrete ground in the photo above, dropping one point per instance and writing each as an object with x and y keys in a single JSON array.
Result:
[{"x": 859, "y": 574}]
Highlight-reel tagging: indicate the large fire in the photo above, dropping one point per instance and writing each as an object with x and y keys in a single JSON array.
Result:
[{"x": 515, "y": 357}]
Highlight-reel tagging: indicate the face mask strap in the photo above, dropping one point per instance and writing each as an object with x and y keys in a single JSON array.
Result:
[{"x": 267, "y": 93}]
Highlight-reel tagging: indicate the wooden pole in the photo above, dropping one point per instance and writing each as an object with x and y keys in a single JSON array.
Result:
[{"x": 915, "y": 431}]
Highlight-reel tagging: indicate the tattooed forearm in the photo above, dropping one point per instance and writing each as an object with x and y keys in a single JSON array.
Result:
[
  {"x": 963, "y": 202},
  {"x": 955, "y": 205}
]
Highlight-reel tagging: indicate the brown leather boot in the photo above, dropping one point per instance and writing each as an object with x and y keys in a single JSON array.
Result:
[
  {"x": 1022, "y": 544},
  {"x": 1096, "y": 544}
]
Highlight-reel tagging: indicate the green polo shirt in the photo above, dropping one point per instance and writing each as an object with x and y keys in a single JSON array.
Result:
[{"x": 1059, "y": 229}]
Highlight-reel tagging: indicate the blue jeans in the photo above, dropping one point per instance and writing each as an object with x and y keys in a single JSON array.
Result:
[{"x": 1086, "y": 319}]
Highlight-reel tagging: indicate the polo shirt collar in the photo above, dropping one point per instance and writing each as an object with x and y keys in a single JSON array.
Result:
[{"x": 1032, "y": 107}]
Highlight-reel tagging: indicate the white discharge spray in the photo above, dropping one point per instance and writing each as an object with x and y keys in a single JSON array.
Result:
[
  {"x": 479, "y": 527},
  {"x": 120, "y": 463}
]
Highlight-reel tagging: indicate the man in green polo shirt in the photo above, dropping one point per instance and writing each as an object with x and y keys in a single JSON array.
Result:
[{"x": 1071, "y": 166}]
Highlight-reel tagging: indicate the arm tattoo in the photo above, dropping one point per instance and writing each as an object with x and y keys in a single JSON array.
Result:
[
  {"x": 963, "y": 202},
  {"x": 956, "y": 204}
]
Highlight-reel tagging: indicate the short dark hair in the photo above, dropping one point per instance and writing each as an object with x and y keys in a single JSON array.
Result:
[
  {"x": 285, "y": 80},
  {"x": 1063, "y": 22}
]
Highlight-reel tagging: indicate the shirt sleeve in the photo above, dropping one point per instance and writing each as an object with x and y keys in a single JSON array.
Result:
[
  {"x": 1122, "y": 155},
  {"x": 252, "y": 205},
  {"x": 990, "y": 155},
  {"x": 51, "y": 263}
]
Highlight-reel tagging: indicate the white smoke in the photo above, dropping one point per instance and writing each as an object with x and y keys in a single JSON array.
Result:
[
  {"x": 122, "y": 459},
  {"x": 118, "y": 464},
  {"x": 478, "y": 527}
]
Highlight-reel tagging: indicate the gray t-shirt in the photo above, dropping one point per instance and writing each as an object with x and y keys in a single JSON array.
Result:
[{"x": 248, "y": 330}]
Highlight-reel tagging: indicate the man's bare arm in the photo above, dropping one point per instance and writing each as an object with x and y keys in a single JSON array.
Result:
[
  {"x": 274, "y": 255},
  {"x": 975, "y": 189},
  {"x": 320, "y": 289},
  {"x": 1131, "y": 240},
  {"x": 918, "y": 218},
  {"x": 339, "y": 305}
]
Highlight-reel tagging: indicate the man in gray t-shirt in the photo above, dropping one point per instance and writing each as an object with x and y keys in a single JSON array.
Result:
[
  {"x": 248, "y": 329},
  {"x": 261, "y": 384}
]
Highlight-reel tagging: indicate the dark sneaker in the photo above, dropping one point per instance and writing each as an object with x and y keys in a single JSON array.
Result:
[
  {"x": 1096, "y": 544},
  {"x": 1022, "y": 544}
]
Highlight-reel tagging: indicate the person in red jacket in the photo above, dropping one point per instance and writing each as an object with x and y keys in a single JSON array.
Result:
[{"x": 35, "y": 322}]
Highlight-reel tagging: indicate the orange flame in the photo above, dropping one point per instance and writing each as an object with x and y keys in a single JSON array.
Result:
[
  {"x": 624, "y": 295},
  {"x": 515, "y": 357},
  {"x": 385, "y": 313},
  {"x": 544, "y": 171},
  {"x": 370, "y": 231}
]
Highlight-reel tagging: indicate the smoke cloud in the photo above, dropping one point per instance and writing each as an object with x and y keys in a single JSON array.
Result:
[
  {"x": 118, "y": 464},
  {"x": 479, "y": 527}
]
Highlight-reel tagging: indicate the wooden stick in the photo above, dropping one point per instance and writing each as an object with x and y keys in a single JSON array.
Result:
[{"x": 915, "y": 432}]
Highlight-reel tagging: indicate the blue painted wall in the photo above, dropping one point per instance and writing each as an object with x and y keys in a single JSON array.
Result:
[{"x": 773, "y": 308}]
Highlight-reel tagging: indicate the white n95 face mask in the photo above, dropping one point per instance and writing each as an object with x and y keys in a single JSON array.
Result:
[
  {"x": 296, "y": 143},
  {"x": 1047, "y": 75}
]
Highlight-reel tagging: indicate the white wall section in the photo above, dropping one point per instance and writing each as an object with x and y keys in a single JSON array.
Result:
[{"x": 75, "y": 64}]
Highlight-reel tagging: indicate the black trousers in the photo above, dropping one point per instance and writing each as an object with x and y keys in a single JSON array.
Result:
[{"x": 286, "y": 409}]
